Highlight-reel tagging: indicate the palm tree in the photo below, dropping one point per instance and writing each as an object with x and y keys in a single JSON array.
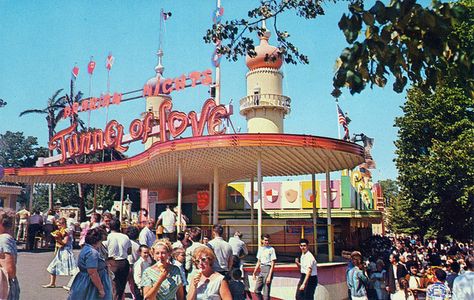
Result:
[{"x": 54, "y": 113}]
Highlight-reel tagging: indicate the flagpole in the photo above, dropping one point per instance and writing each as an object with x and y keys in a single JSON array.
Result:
[
  {"x": 90, "y": 94},
  {"x": 337, "y": 115},
  {"x": 218, "y": 70}
]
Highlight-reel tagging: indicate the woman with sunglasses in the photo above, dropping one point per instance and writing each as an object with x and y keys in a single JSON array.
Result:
[
  {"x": 206, "y": 283},
  {"x": 162, "y": 281},
  {"x": 63, "y": 262}
]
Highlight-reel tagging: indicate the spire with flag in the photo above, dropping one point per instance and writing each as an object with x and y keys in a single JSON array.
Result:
[
  {"x": 343, "y": 121},
  {"x": 91, "y": 66},
  {"x": 165, "y": 15},
  {"x": 75, "y": 72},
  {"x": 110, "y": 61}
]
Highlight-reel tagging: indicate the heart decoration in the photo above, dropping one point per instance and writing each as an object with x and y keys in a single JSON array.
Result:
[
  {"x": 202, "y": 199},
  {"x": 177, "y": 123}
]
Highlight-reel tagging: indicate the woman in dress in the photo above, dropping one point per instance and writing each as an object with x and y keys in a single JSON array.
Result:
[
  {"x": 63, "y": 262},
  {"x": 8, "y": 256},
  {"x": 378, "y": 280},
  {"x": 92, "y": 281},
  {"x": 162, "y": 281},
  {"x": 206, "y": 283}
]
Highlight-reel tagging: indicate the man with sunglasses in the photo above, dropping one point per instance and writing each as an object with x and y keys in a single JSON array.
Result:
[
  {"x": 309, "y": 273},
  {"x": 266, "y": 257}
]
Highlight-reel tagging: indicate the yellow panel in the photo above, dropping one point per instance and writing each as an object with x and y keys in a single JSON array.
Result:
[{"x": 306, "y": 192}]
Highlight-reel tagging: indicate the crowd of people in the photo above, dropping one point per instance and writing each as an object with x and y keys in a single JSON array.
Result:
[
  {"x": 188, "y": 265},
  {"x": 411, "y": 268}
]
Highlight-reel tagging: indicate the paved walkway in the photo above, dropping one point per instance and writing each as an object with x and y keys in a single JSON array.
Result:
[{"x": 32, "y": 274}]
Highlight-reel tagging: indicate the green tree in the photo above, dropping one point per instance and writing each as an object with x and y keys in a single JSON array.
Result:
[
  {"x": 17, "y": 151},
  {"x": 54, "y": 112},
  {"x": 435, "y": 149},
  {"x": 411, "y": 42}
]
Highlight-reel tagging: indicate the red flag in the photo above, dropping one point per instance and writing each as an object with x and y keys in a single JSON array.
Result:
[
  {"x": 109, "y": 62},
  {"x": 91, "y": 67},
  {"x": 75, "y": 72}
]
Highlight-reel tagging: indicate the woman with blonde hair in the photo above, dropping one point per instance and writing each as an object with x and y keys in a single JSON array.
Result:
[
  {"x": 9, "y": 286},
  {"x": 63, "y": 262},
  {"x": 206, "y": 283},
  {"x": 162, "y": 281}
]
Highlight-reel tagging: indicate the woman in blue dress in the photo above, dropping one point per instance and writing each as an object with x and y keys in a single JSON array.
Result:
[
  {"x": 8, "y": 257},
  {"x": 63, "y": 262},
  {"x": 92, "y": 281}
]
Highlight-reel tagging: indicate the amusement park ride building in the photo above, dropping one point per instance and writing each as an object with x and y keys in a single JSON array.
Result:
[{"x": 264, "y": 151}]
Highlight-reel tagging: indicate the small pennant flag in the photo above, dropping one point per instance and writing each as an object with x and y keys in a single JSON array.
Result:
[
  {"x": 109, "y": 62},
  {"x": 75, "y": 72},
  {"x": 165, "y": 15},
  {"x": 91, "y": 66}
]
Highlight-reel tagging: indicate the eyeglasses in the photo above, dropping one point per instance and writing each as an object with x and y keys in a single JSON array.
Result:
[
  {"x": 201, "y": 260},
  {"x": 303, "y": 245}
]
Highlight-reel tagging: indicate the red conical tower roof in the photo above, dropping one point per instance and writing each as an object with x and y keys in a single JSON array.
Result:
[{"x": 263, "y": 51}]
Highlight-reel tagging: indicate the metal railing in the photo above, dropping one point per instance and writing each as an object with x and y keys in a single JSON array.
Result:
[
  {"x": 283, "y": 237},
  {"x": 266, "y": 101}
]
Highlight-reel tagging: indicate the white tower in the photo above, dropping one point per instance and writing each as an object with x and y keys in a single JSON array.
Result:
[
  {"x": 265, "y": 106},
  {"x": 153, "y": 102}
]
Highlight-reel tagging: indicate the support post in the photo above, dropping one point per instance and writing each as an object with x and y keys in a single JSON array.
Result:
[
  {"x": 210, "y": 204},
  {"x": 315, "y": 220},
  {"x": 30, "y": 202},
  {"x": 260, "y": 205},
  {"x": 252, "y": 219},
  {"x": 121, "y": 198},
  {"x": 215, "y": 198},
  {"x": 94, "y": 205},
  {"x": 180, "y": 196},
  {"x": 330, "y": 227}
]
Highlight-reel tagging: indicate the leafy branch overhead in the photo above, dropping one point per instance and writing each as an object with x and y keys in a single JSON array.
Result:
[
  {"x": 233, "y": 38},
  {"x": 402, "y": 39}
]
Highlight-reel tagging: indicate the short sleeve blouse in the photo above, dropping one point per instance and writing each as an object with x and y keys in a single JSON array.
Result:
[{"x": 168, "y": 287}]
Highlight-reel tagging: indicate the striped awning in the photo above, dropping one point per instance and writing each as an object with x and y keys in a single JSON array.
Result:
[{"x": 235, "y": 157}]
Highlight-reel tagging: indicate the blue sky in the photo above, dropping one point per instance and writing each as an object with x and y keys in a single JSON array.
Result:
[{"x": 42, "y": 40}]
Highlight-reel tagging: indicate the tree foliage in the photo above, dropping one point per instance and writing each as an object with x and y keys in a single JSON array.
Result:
[
  {"x": 435, "y": 160},
  {"x": 17, "y": 151},
  {"x": 404, "y": 39}
]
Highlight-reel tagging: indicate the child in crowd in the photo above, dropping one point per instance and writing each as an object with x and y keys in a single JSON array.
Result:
[
  {"x": 138, "y": 267},
  {"x": 236, "y": 286}
]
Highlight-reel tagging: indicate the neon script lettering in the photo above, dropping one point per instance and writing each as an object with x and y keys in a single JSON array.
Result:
[{"x": 71, "y": 143}]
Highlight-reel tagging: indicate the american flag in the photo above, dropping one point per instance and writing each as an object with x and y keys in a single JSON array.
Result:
[{"x": 343, "y": 121}]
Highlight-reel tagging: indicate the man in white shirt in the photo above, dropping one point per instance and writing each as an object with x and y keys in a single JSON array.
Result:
[
  {"x": 239, "y": 248},
  {"x": 168, "y": 219},
  {"x": 147, "y": 236},
  {"x": 266, "y": 257},
  {"x": 138, "y": 267},
  {"x": 118, "y": 249},
  {"x": 222, "y": 250},
  {"x": 309, "y": 273},
  {"x": 463, "y": 286}
]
